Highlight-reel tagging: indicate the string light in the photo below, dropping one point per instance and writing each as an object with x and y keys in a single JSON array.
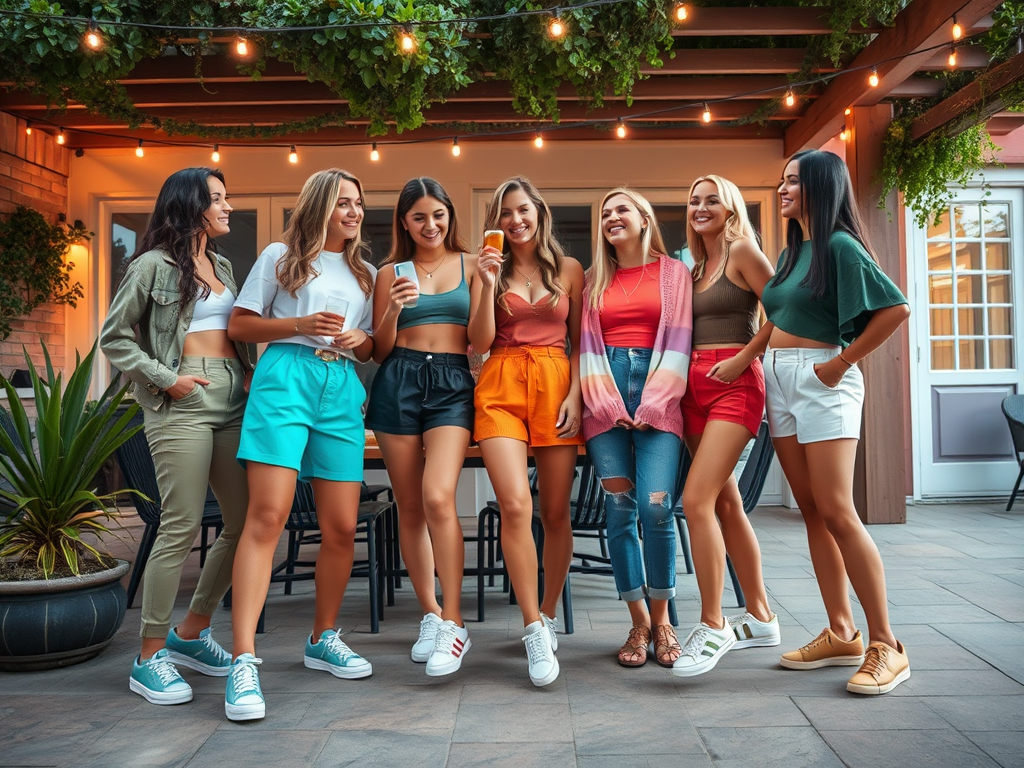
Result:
[
  {"x": 93, "y": 39},
  {"x": 620, "y": 129},
  {"x": 242, "y": 47},
  {"x": 139, "y": 151},
  {"x": 216, "y": 153},
  {"x": 847, "y": 111},
  {"x": 456, "y": 149},
  {"x": 706, "y": 117},
  {"x": 556, "y": 27},
  {"x": 873, "y": 79},
  {"x": 538, "y": 140},
  {"x": 28, "y": 128},
  {"x": 406, "y": 39},
  {"x": 843, "y": 134},
  {"x": 790, "y": 99},
  {"x": 952, "y": 56},
  {"x": 958, "y": 31},
  {"x": 60, "y": 136},
  {"x": 374, "y": 154},
  {"x": 293, "y": 156},
  {"x": 681, "y": 12}
]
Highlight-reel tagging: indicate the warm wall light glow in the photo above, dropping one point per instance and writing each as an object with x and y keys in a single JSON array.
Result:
[
  {"x": 139, "y": 151},
  {"x": 952, "y": 56},
  {"x": 847, "y": 111},
  {"x": 873, "y": 79},
  {"x": 843, "y": 134},
  {"x": 620, "y": 129},
  {"x": 77, "y": 255},
  {"x": 374, "y": 154},
  {"x": 681, "y": 12},
  {"x": 293, "y": 156},
  {"x": 790, "y": 99},
  {"x": 456, "y": 149},
  {"x": 958, "y": 31},
  {"x": 538, "y": 141},
  {"x": 242, "y": 47},
  {"x": 60, "y": 137},
  {"x": 706, "y": 117},
  {"x": 28, "y": 129},
  {"x": 556, "y": 28},
  {"x": 216, "y": 153}
]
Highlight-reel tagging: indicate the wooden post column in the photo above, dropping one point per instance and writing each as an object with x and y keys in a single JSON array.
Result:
[{"x": 880, "y": 488}]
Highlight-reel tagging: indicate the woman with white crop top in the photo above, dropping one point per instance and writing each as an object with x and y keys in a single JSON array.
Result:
[{"x": 166, "y": 331}]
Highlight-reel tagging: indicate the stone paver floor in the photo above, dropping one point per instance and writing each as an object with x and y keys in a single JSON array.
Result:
[{"x": 956, "y": 589}]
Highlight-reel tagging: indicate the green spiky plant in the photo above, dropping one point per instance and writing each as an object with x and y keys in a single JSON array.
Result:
[{"x": 51, "y": 488}]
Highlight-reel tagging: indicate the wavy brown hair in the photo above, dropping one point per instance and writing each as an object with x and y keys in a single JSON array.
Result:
[
  {"x": 307, "y": 233},
  {"x": 550, "y": 253},
  {"x": 402, "y": 246}
]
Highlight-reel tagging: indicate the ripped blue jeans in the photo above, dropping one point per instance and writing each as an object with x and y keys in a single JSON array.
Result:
[{"x": 644, "y": 559}]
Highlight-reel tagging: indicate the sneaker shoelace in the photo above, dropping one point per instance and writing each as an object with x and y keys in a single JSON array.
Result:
[
  {"x": 695, "y": 644},
  {"x": 215, "y": 648},
  {"x": 821, "y": 639},
  {"x": 445, "y": 639},
  {"x": 337, "y": 646},
  {"x": 428, "y": 629},
  {"x": 874, "y": 661},
  {"x": 536, "y": 648},
  {"x": 164, "y": 670},
  {"x": 245, "y": 679}
]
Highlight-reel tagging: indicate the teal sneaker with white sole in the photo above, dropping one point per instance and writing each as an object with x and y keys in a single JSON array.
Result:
[
  {"x": 332, "y": 655},
  {"x": 204, "y": 655},
  {"x": 243, "y": 697},
  {"x": 157, "y": 681}
]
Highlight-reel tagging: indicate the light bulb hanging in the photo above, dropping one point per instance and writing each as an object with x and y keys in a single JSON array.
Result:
[
  {"x": 28, "y": 127},
  {"x": 958, "y": 31},
  {"x": 93, "y": 38},
  {"x": 216, "y": 153},
  {"x": 139, "y": 151},
  {"x": 60, "y": 136},
  {"x": 242, "y": 47},
  {"x": 790, "y": 99},
  {"x": 293, "y": 156},
  {"x": 406, "y": 39},
  {"x": 556, "y": 27},
  {"x": 873, "y": 79},
  {"x": 538, "y": 140},
  {"x": 843, "y": 134},
  {"x": 620, "y": 129},
  {"x": 456, "y": 149},
  {"x": 706, "y": 117},
  {"x": 952, "y": 56},
  {"x": 374, "y": 154},
  {"x": 681, "y": 12},
  {"x": 847, "y": 111}
]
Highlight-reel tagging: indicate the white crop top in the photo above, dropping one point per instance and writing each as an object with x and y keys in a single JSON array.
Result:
[{"x": 212, "y": 313}]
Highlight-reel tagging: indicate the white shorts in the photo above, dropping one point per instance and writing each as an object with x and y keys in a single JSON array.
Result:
[{"x": 798, "y": 403}]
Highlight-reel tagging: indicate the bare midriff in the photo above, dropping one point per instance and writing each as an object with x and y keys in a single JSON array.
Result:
[
  {"x": 719, "y": 346},
  {"x": 209, "y": 344},
  {"x": 782, "y": 340},
  {"x": 443, "y": 338}
]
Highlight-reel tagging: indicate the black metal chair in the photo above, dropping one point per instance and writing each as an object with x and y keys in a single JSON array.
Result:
[
  {"x": 136, "y": 462},
  {"x": 1013, "y": 410},
  {"x": 751, "y": 484}
]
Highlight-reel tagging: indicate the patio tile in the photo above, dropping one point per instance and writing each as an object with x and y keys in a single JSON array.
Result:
[
  {"x": 148, "y": 742},
  {"x": 381, "y": 747},
  {"x": 527, "y": 754},
  {"x": 956, "y": 682},
  {"x": 786, "y": 747},
  {"x": 640, "y": 761},
  {"x": 38, "y": 733},
  {"x": 981, "y": 713},
  {"x": 724, "y": 712},
  {"x": 518, "y": 722},
  {"x": 1005, "y": 747},
  {"x": 869, "y": 713},
  {"x": 998, "y": 643},
  {"x": 228, "y": 749},
  {"x": 935, "y": 749},
  {"x": 647, "y": 726}
]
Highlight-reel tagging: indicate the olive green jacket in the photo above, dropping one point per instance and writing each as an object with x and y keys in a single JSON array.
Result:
[{"x": 145, "y": 329}]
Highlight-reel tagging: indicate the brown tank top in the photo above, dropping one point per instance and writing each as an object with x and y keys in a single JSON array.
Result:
[{"x": 724, "y": 313}]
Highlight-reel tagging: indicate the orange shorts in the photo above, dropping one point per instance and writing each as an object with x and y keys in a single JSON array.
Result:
[{"x": 518, "y": 395}]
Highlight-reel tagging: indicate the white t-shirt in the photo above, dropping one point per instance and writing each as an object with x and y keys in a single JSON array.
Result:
[{"x": 263, "y": 294}]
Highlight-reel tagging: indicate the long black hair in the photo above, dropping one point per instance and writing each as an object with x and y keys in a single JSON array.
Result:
[
  {"x": 177, "y": 224},
  {"x": 402, "y": 245},
  {"x": 828, "y": 206}
]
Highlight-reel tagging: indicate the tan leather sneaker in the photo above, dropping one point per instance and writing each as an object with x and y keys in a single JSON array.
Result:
[
  {"x": 883, "y": 669},
  {"x": 826, "y": 650}
]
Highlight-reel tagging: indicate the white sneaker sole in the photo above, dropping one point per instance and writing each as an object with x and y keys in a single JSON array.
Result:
[
  {"x": 241, "y": 712},
  {"x": 344, "y": 673},
  {"x": 706, "y": 665},
  {"x": 873, "y": 690},
  {"x": 181, "y": 660},
  {"x": 832, "y": 661},
  {"x": 540, "y": 682},
  {"x": 159, "y": 697},
  {"x": 449, "y": 666},
  {"x": 757, "y": 642}
]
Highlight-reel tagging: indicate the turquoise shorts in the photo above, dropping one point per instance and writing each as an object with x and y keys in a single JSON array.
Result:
[{"x": 305, "y": 413}]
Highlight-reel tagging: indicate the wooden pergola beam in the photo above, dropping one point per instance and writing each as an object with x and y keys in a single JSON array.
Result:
[
  {"x": 719, "y": 22},
  {"x": 973, "y": 104},
  {"x": 920, "y": 25},
  {"x": 735, "y": 61}
]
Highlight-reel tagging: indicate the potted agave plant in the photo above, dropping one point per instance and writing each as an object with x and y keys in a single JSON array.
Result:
[{"x": 61, "y": 600}]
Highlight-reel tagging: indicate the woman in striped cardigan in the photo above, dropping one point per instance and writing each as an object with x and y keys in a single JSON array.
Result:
[{"x": 635, "y": 352}]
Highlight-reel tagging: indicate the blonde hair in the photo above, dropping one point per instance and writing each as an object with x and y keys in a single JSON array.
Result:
[
  {"x": 550, "y": 253},
  {"x": 306, "y": 234},
  {"x": 737, "y": 224},
  {"x": 602, "y": 271}
]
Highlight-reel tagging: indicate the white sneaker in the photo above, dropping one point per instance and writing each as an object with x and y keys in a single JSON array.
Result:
[
  {"x": 552, "y": 627},
  {"x": 450, "y": 646},
  {"x": 424, "y": 645},
  {"x": 540, "y": 654},
  {"x": 704, "y": 647},
  {"x": 751, "y": 633}
]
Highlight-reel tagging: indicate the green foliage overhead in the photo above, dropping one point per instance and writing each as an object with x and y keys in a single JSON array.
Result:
[
  {"x": 32, "y": 266},
  {"x": 50, "y": 488}
]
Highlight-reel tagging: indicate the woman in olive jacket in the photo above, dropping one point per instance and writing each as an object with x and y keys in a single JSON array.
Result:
[{"x": 167, "y": 331}]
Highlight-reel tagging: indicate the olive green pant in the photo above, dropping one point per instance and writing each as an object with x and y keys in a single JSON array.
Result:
[{"x": 194, "y": 442}]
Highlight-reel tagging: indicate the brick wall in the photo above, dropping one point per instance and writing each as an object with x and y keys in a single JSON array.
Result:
[{"x": 34, "y": 173}]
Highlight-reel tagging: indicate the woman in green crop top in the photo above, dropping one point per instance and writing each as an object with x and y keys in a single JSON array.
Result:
[
  {"x": 830, "y": 305},
  {"x": 421, "y": 406}
]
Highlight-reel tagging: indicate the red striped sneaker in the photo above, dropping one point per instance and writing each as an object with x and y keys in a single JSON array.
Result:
[{"x": 450, "y": 647}]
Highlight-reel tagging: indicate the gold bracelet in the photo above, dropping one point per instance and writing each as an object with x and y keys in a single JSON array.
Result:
[
  {"x": 848, "y": 363},
  {"x": 297, "y": 325}
]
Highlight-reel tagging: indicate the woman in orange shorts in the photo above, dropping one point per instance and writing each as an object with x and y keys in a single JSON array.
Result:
[
  {"x": 722, "y": 410},
  {"x": 526, "y": 307}
]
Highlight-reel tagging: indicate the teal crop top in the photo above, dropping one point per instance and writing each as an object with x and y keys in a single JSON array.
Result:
[{"x": 450, "y": 307}]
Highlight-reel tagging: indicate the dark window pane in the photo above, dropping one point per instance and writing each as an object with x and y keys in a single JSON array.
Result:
[
  {"x": 376, "y": 231},
  {"x": 239, "y": 245},
  {"x": 572, "y": 229}
]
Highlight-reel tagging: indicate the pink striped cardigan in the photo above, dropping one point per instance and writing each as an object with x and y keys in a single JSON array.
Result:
[{"x": 670, "y": 361}]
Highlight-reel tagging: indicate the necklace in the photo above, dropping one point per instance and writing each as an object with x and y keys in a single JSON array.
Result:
[
  {"x": 430, "y": 274},
  {"x": 527, "y": 279},
  {"x": 618, "y": 279}
]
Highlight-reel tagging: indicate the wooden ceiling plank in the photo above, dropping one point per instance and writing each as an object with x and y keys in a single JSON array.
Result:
[
  {"x": 921, "y": 24},
  {"x": 742, "y": 21},
  {"x": 738, "y": 61}
]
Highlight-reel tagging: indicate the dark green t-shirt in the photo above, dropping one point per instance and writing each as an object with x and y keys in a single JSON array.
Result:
[{"x": 858, "y": 288}]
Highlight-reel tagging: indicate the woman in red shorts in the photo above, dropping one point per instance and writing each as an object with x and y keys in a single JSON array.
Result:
[{"x": 722, "y": 410}]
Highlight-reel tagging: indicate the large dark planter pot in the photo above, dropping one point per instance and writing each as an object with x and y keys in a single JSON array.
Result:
[{"x": 56, "y": 623}]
